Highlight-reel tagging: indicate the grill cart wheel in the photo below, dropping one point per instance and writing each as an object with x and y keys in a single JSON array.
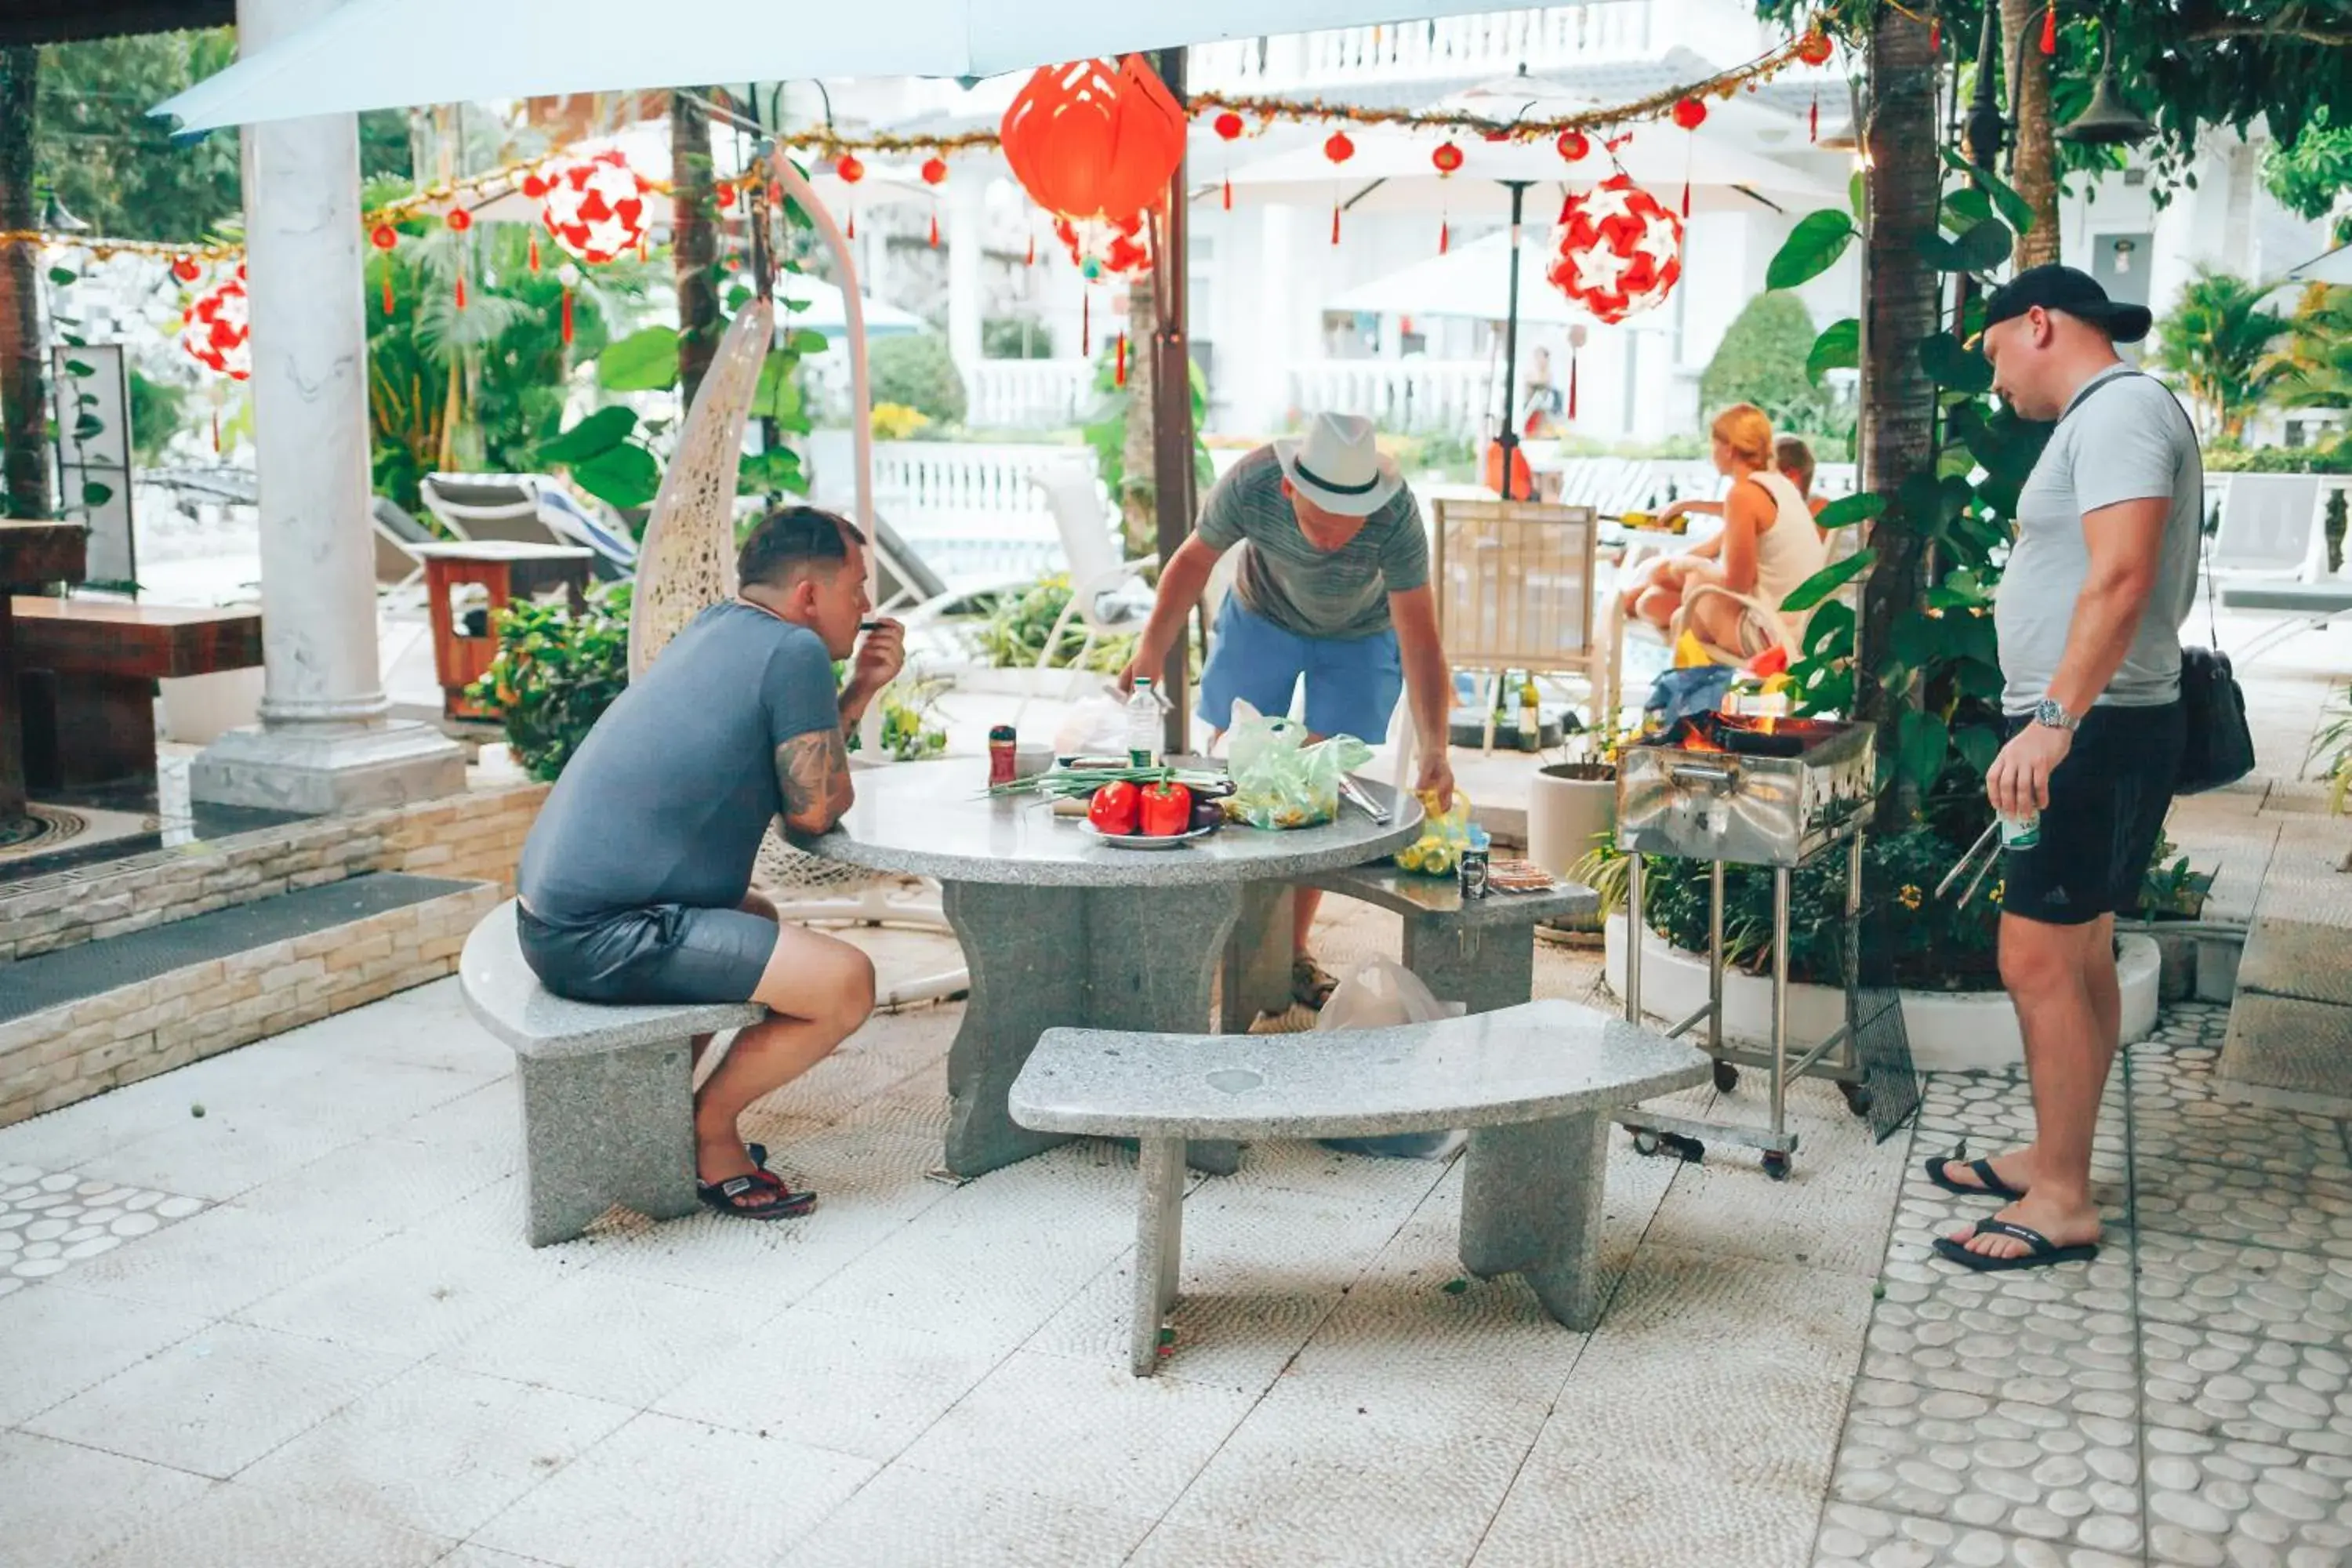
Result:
[{"x": 1727, "y": 1078}]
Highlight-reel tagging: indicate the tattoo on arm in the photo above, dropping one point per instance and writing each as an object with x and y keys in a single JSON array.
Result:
[{"x": 813, "y": 770}]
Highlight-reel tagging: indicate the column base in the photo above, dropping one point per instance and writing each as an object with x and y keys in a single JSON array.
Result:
[{"x": 330, "y": 768}]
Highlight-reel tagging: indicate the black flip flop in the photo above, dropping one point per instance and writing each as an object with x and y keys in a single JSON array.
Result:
[
  {"x": 726, "y": 1198},
  {"x": 1994, "y": 1187},
  {"x": 2044, "y": 1253}
]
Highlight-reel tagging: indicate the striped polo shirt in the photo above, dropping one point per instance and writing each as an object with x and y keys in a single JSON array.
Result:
[{"x": 1338, "y": 595}]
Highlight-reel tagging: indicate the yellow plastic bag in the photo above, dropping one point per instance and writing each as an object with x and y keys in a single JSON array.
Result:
[
  {"x": 1443, "y": 836},
  {"x": 1281, "y": 780}
]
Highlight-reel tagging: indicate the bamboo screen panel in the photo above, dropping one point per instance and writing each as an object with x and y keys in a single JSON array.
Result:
[{"x": 1514, "y": 584}]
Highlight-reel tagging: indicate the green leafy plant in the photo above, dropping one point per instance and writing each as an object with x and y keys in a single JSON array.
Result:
[
  {"x": 2169, "y": 888},
  {"x": 909, "y": 730},
  {"x": 2334, "y": 744},
  {"x": 2219, "y": 340},
  {"x": 155, "y": 412},
  {"x": 1763, "y": 359},
  {"x": 1016, "y": 633},
  {"x": 916, "y": 370},
  {"x": 555, "y": 674},
  {"x": 1015, "y": 337}
]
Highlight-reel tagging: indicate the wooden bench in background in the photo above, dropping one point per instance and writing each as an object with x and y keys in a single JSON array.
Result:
[{"x": 86, "y": 670}]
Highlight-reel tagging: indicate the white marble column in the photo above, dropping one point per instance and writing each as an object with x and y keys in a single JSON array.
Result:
[{"x": 324, "y": 743}]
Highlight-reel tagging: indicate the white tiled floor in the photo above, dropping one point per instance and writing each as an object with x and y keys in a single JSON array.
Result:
[{"x": 355, "y": 1359}]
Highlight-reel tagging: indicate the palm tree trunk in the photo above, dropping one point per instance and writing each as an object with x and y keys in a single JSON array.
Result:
[
  {"x": 24, "y": 406},
  {"x": 694, "y": 242},
  {"x": 2034, "y": 168},
  {"x": 1898, "y": 438}
]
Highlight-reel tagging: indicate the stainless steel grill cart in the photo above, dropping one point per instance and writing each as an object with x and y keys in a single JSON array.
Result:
[{"x": 1755, "y": 792}]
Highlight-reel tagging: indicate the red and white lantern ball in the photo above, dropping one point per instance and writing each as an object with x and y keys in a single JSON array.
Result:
[
  {"x": 214, "y": 329},
  {"x": 1620, "y": 252},
  {"x": 595, "y": 207}
]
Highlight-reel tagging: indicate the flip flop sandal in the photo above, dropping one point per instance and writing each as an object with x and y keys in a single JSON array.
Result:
[
  {"x": 1311, "y": 984},
  {"x": 1993, "y": 1187},
  {"x": 2044, "y": 1253},
  {"x": 728, "y": 1197}
]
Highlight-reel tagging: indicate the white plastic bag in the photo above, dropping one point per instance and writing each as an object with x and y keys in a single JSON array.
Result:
[
  {"x": 1097, "y": 726},
  {"x": 1381, "y": 995}
]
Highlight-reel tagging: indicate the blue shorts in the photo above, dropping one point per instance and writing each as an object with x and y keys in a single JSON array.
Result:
[{"x": 1352, "y": 684}]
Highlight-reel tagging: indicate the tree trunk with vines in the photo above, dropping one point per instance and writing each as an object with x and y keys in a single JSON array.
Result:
[
  {"x": 1139, "y": 514},
  {"x": 2034, "y": 172},
  {"x": 694, "y": 245},
  {"x": 1899, "y": 412},
  {"x": 24, "y": 406}
]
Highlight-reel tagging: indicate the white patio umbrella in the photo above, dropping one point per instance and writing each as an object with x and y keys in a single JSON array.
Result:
[
  {"x": 1472, "y": 281},
  {"x": 824, "y": 309},
  {"x": 2328, "y": 267},
  {"x": 392, "y": 54}
]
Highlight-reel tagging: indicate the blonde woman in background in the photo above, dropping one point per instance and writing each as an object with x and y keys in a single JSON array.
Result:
[{"x": 1727, "y": 591}]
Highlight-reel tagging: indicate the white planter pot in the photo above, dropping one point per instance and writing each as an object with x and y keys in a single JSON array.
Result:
[
  {"x": 1565, "y": 816},
  {"x": 1973, "y": 1032}
]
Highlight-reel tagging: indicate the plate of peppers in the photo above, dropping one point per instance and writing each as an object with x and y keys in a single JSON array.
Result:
[{"x": 1160, "y": 815}]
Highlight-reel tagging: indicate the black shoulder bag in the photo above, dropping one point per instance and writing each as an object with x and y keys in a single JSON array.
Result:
[{"x": 2219, "y": 750}]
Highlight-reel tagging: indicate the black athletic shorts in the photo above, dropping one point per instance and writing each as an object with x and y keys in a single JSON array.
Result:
[
  {"x": 667, "y": 953},
  {"x": 2107, "y": 805}
]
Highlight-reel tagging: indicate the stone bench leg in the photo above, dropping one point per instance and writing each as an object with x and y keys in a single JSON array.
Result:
[
  {"x": 1159, "y": 1247},
  {"x": 1531, "y": 1206},
  {"x": 615, "y": 1127},
  {"x": 1488, "y": 967}
]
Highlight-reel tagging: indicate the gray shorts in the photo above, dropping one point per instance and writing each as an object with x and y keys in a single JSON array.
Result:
[{"x": 665, "y": 954}]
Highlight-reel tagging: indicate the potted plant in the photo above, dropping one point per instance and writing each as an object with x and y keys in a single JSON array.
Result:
[{"x": 1573, "y": 818}]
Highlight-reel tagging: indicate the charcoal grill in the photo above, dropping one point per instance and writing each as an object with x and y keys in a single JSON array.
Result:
[{"x": 1749, "y": 792}]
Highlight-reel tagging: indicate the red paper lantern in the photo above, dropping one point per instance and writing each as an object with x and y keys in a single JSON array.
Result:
[
  {"x": 214, "y": 330},
  {"x": 460, "y": 219},
  {"x": 383, "y": 236},
  {"x": 1094, "y": 140},
  {"x": 1101, "y": 249},
  {"x": 851, "y": 168},
  {"x": 186, "y": 269},
  {"x": 1619, "y": 252},
  {"x": 1573, "y": 145},
  {"x": 533, "y": 186},
  {"x": 1814, "y": 48},
  {"x": 725, "y": 197},
  {"x": 1339, "y": 149},
  {"x": 1447, "y": 158},
  {"x": 1690, "y": 113},
  {"x": 1228, "y": 125},
  {"x": 935, "y": 170},
  {"x": 595, "y": 207}
]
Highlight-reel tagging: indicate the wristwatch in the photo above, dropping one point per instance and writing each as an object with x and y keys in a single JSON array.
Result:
[{"x": 2047, "y": 711}]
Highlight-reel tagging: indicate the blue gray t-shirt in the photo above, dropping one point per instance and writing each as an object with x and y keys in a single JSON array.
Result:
[
  {"x": 1339, "y": 595},
  {"x": 2128, "y": 441},
  {"x": 667, "y": 800}
]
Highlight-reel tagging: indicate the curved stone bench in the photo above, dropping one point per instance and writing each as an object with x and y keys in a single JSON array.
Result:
[
  {"x": 607, "y": 1092},
  {"x": 1536, "y": 1085}
]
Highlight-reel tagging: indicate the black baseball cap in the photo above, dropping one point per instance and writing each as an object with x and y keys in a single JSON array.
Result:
[{"x": 2067, "y": 289}]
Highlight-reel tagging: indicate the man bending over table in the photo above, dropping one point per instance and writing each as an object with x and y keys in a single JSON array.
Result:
[
  {"x": 1333, "y": 590},
  {"x": 636, "y": 879}
]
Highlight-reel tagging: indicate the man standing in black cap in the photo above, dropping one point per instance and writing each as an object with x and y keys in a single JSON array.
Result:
[{"x": 2089, "y": 612}]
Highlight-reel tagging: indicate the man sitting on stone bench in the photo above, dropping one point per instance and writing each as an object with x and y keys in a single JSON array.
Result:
[{"x": 635, "y": 882}]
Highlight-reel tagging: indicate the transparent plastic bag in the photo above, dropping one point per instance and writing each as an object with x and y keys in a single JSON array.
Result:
[
  {"x": 1280, "y": 780},
  {"x": 1381, "y": 995},
  {"x": 1096, "y": 726},
  {"x": 1443, "y": 836}
]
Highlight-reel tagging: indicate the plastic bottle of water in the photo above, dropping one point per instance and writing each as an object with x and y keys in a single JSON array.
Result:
[{"x": 1143, "y": 729}]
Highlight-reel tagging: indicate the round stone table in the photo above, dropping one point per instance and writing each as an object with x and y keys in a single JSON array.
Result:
[{"x": 1061, "y": 930}]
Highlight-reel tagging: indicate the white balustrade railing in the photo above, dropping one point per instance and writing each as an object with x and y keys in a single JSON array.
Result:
[
  {"x": 970, "y": 509},
  {"x": 1027, "y": 394},
  {"x": 1493, "y": 43},
  {"x": 1422, "y": 397}
]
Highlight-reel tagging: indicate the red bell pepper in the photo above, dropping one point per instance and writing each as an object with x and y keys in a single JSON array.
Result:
[
  {"x": 1167, "y": 811},
  {"x": 1115, "y": 808}
]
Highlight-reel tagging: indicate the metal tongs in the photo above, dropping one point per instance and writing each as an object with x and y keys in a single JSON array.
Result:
[
  {"x": 1353, "y": 794},
  {"x": 1991, "y": 837}
]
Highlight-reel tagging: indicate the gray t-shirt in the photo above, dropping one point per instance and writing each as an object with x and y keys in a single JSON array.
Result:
[
  {"x": 1338, "y": 595},
  {"x": 667, "y": 800},
  {"x": 2129, "y": 441}
]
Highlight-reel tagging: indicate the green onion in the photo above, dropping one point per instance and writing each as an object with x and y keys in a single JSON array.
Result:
[{"x": 1065, "y": 782}]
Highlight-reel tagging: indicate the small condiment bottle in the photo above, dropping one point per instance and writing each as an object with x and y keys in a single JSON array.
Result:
[{"x": 1003, "y": 755}]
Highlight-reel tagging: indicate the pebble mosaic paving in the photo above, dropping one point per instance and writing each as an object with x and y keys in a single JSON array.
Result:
[{"x": 49, "y": 1220}]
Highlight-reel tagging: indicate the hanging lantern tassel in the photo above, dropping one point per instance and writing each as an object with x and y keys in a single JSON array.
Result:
[
  {"x": 1813, "y": 120},
  {"x": 534, "y": 251},
  {"x": 461, "y": 290},
  {"x": 851, "y": 233},
  {"x": 1444, "y": 236},
  {"x": 387, "y": 292},
  {"x": 1228, "y": 193},
  {"x": 1119, "y": 365},
  {"x": 1032, "y": 260},
  {"x": 567, "y": 315},
  {"x": 215, "y": 430},
  {"x": 1936, "y": 36},
  {"x": 935, "y": 231},
  {"x": 2050, "y": 28},
  {"x": 1335, "y": 223},
  {"x": 1087, "y": 325},
  {"x": 1572, "y": 355}
]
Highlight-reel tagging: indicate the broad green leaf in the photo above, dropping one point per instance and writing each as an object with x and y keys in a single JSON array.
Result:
[
  {"x": 737, "y": 298},
  {"x": 1950, "y": 365},
  {"x": 807, "y": 340},
  {"x": 1955, "y": 462},
  {"x": 1987, "y": 245},
  {"x": 1981, "y": 679},
  {"x": 1965, "y": 206},
  {"x": 593, "y": 437},
  {"x": 1979, "y": 744},
  {"x": 88, "y": 427},
  {"x": 1854, "y": 189},
  {"x": 624, "y": 476},
  {"x": 1865, "y": 506},
  {"x": 1941, "y": 254},
  {"x": 1922, "y": 743},
  {"x": 778, "y": 395},
  {"x": 96, "y": 494},
  {"x": 1825, "y": 582},
  {"x": 1812, "y": 249},
  {"x": 645, "y": 361},
  {"x": 1839, "y": 347},
  {"x": 78, "y": 368},
  {"x": 62, "y": 276}
]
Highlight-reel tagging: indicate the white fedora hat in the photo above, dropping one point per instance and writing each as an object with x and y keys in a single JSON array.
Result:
[{"x": 1338, "y": 465}]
